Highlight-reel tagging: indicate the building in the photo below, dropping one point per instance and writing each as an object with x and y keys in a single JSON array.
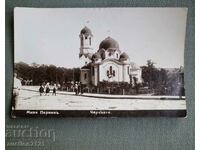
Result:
[{"x": 108, "y": 63}]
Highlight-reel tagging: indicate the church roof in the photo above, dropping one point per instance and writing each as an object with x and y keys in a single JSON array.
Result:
[
  {"x": 96, "y": 56},
  {"x": 123, "y": 57},
  {"x": 85, "y": 67},
  {"x": 87, "y": 55},
  {"x": 86, "y": 31},
  {"x": 88, "y": 66},
  {"x": 109, "y": 43}
]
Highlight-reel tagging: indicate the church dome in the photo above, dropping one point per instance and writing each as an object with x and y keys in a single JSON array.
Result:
[
  {"x": 96, "y": 56},
  {"x": 86, "y": 31},
  {"x": 123, "y": 57},
  {"x": 109, "y": 43}
]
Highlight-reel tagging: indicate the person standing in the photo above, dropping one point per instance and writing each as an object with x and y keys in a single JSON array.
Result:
[
  {"x": 76, "y": 88},
  {"x": 16, "y": 91},
  {"x": 54, "y": 89},
  {"x": 47, "y": 89},
  {"x": 41, "y": 89},
  {"x": 81, "y": 88}
]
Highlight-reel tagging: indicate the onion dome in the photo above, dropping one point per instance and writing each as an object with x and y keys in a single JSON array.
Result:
[
  {"x": 109, "y": 43},
  {"x": 123, "y": 57},
  {"x": 96, "y": 56},
  {"x": 89, "y": 55},
  {"x": 86, "y": 31}
]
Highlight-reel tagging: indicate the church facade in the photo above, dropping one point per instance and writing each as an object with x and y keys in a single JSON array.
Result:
[{"x": 108, "y": 63}]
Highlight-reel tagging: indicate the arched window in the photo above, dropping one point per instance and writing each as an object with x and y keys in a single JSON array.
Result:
[
  {"x": 85, "y": 76},
  {"x": 81, "y": 41},
  {"x": 93, "y": 71},
  {"x": 113, "y": 73},
  {"x": 102, "y": 55},
  {"x": 107, "y": 73},
  {"x": 110, "y": 69},
  {"x": 90, "y": 40}
]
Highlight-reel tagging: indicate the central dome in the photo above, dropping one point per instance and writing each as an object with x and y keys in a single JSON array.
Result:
[{"x": 109, "y": 43}]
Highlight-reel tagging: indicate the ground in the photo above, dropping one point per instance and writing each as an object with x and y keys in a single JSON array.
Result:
[{"x": 30, "y": 99}]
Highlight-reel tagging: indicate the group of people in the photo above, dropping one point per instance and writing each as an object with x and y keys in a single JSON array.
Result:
[
  {"x": 45, "y": 89},
  {"x": 78, "y": 88}
]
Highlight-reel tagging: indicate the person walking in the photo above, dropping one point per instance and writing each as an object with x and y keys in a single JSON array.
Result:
[
  {"x": 16, "y": 91},
  {"x": 81, "y": 88},
  {"x": 76, "y": 88},
  {"x": 47, "y": 89},
  {"x": 41, "y": 89},
  {"x": 54, "y": 89}
]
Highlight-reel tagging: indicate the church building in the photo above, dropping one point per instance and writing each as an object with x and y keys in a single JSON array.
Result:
[{"x": 108, "y": 63}]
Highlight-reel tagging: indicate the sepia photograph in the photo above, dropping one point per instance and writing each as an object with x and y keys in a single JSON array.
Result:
[{"x": 99, "y": 62}]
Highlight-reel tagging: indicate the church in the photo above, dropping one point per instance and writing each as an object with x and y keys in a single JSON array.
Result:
[{"x": 108, "y": 63}]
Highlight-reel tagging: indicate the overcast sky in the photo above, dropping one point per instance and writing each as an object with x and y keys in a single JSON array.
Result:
[{"x": 51, "y": 35}]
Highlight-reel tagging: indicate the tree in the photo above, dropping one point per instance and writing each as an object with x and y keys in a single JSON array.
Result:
[
  {"x": 150, "y": 64},
  {"x": 149, "y": 73},
  {"x": 155, "y": 78},
  {"x": 46, "y": 73}
]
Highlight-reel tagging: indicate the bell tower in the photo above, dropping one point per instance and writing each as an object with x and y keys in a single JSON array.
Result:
[{"x": 85, "y": 41}]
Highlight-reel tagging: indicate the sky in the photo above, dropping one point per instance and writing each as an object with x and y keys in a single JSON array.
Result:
[{"x": 51, "y": 35}]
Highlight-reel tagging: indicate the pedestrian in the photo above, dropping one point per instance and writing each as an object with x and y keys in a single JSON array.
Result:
[
  {"x": 41, "y": 89},
  {"x": 81, "y": 88},
  {"x": 47, "y": 89},
  {"x": 76, "y": 88},
  {"x": 54, "y": 89},
  {"x": 16, "y": 91}
]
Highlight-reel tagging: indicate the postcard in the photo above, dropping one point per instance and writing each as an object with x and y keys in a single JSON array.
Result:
[{"x": 99, "y": 62}]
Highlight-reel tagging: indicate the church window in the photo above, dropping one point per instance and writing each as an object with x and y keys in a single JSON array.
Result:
[
  {"x": 93, "y": 71},
  {"x": 85, "y": 76},
  {"x": 103, "y": 55},
  {"x": 108, "y": 73},
  {"x": 90, "y": 40},
  {"x": 110, "y": 69},
  {"x": 117, "y": 55},
  {"x": 110, "y": 54},
  {"x": 86, "y": 37},
  {"x": 81, "y": 41},
  {"x": 113, "y": 73}
]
